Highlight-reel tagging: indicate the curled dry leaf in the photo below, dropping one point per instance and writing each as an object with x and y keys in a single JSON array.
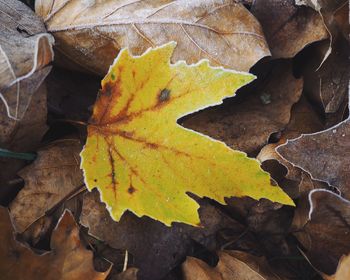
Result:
[
  {"x": 231, "y": 265},
  {"x": 68, "y": 258},
  {"x": 329, "y": 84},
  {"x": 91, "y": 33},
  {"x": 149, "y": 241},
  {"x": 270, "y": 104},
  {"x": 304, "y": 119},
  {"x": 20, "y": 136},
  {"x": 49, "y": 179},
  {"x": 25, "y": 52},
  {"x": 325, "y": 155},
  {"x": 288, "y": 28},
  {"x": 321, "y": 224}
]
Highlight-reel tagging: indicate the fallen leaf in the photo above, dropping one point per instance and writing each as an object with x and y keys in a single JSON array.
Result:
[
  {"x": 321, "y": 224},
  {"x": 20, "y": 136},
  {"x": 49, "y": 179},
  {"x": 343, "y": 270},
  {"x": 25, "y": 52},
  {"x": 139, "y": 157},
  {"x": 288, "y": 28},
  {"x": 149, "y": 241},
  {"x": 270, "y": 104},
  {"x": 329, "y": 84},
  {"x": 324, "y": 155},
  {"x": 68, "y": 258},
  {"x": 91, "y": 33},
  {"x": 232, "y": 265}
]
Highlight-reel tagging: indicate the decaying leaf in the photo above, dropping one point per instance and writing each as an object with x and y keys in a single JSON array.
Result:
[
  {"x": 142, "y": 160},
  {"x": 325, "y": 155},
  {"x": 50, "y": 178},
  {"x": 20, "y": 136},
  {"x": 321, "y": 224},
  {"x": 149, "y": 241},
  {"x": 68, "y": 258},
  {"x": 91, "y": 33},
  {"x": 329, "y": 84},
  {"x": 25, "y": 52},
  {"x": 343, "y": 270},
  {"x": 288, "y": 28},
  {"x": 248, "y": 124},
  {"x": 232, "y": 265}
]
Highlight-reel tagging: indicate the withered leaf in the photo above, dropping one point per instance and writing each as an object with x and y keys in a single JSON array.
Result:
[
  {"x": 247, "y": 125},
  {"x": 232, "y": 265},
  {"x": 68, "y": 258},
  {"x": 325, "y": 155},
  {"x": 329, "y": 84},
  {"x": 20, "y": 136},
  {"x": 51, "y": 177},
  {"x": 288, "y": 28},
  {"x": 25, "y": 52},
  {"x": 321, "y": 224},
  {"x": 149, "y": 241},
  {"x": 91, "y": 33}
]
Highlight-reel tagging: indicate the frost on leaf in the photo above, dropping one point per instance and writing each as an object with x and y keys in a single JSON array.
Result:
[{"x": 141, "y": 160}]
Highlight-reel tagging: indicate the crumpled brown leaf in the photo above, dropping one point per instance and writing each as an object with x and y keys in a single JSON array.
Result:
[
  {"x": 49, "y": 179},
  {"x": 149, "y": 241},
  {"x": 91, "y": 33},
  {"x": 20, "y": 136},
  {"x": 321, "y": 224},
  {"x": 25, "y": 52},
  {"x": 67, "y": 260},
  {"x": 293, "y": 180},
  {"x": 329, "y": 84},
  {"x": 231, "y": 265},
  {"x": 247, "y": 125},
  {"x": 325, "y": 155},
  {"x": 288, "y": 28}
]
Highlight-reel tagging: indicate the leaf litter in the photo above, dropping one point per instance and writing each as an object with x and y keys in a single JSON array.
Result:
[{"x": 292, "y": 118}]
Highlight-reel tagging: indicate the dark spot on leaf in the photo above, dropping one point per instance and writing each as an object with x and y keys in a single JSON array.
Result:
[
  {"x": 95, "y": 180},
  {"x": 164, "y": 95},
  {"x": 131, "y": 189}
]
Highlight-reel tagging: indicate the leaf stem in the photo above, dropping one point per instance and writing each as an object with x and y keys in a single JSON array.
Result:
[{"x": 9, "y": 154}]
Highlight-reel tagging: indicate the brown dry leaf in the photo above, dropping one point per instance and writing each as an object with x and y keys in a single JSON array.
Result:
[
  {"x": 329, "y": 84},
  {"x": 321, "y": 224},
  {"x": 288, "y": 28},
  {"x": 231, "y": 265},
  {"x": 25, "y": 52},
  {"x": 20, "y": 136},
  {"x": 292, "y": 179},
  {"x": 325, "y": 155},
  {"x": 247, "y": 125},
  {"x": 343, "y": 270},
  {"x": 67, "y": 260},
  {"x": 49, "y": 179},
  {"x": 91, "y": 33},
  {"x": 149, "y": 241}
]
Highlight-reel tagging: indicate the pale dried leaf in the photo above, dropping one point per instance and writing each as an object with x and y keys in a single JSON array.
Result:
[
  {"x": 25, "y": 51},
  {"x": 91, "y": 33},
  {"x": 288, "y": 28},
  {"x": 51, "y": 177}
]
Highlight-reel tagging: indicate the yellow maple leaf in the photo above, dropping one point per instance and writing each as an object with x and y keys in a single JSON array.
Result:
[{"x": 141, "y": 160}]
